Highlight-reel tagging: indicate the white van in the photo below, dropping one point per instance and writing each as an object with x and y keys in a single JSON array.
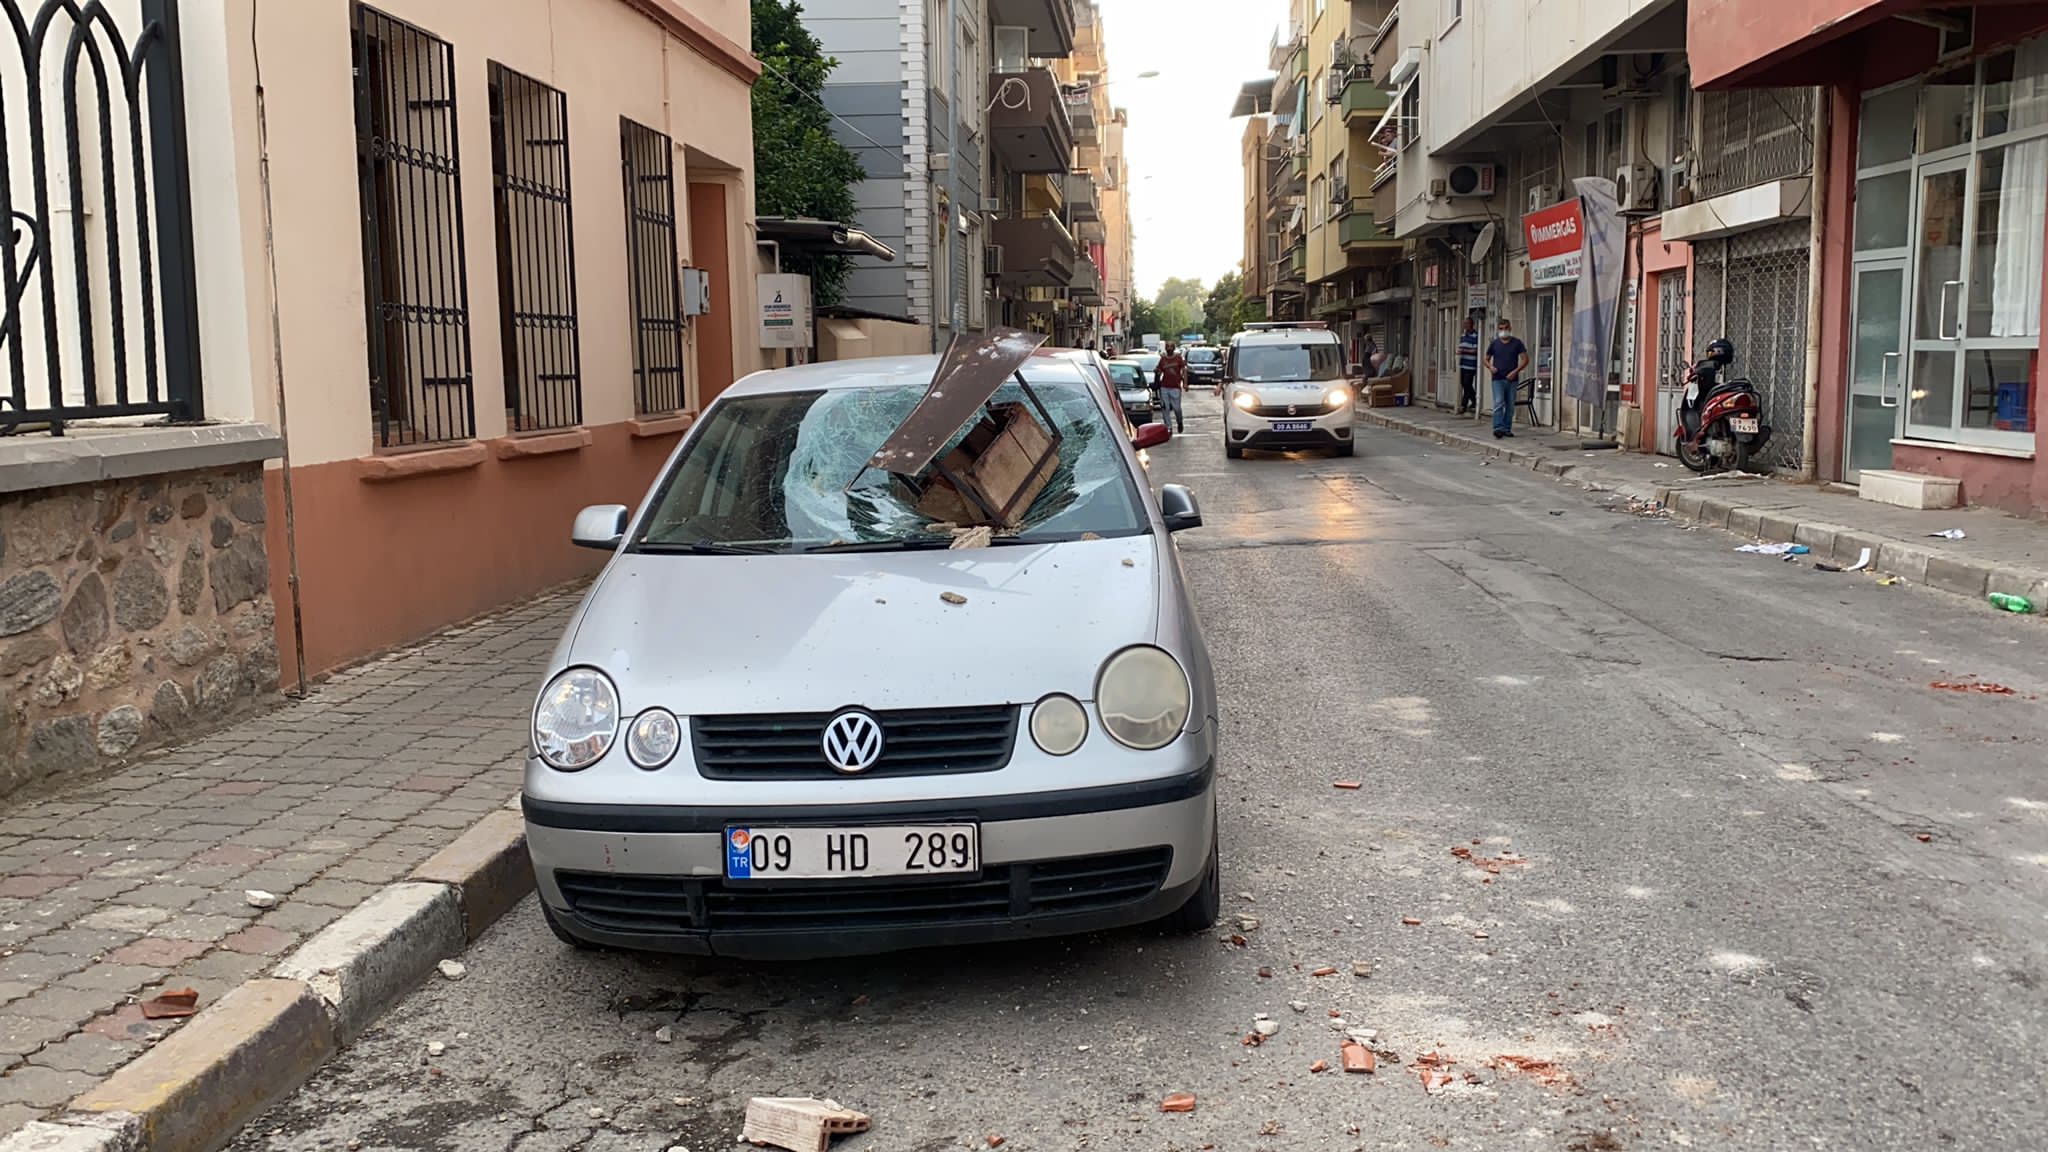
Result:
[{"x": 1284, "y": 387}]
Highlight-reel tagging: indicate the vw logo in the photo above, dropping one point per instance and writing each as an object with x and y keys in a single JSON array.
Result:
[{"x": 853, "y": 742}]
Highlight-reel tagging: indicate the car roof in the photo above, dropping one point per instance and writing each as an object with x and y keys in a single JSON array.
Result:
[
  {"x": 882, "y": 372},
  {"x": 1286, "y": 336}
]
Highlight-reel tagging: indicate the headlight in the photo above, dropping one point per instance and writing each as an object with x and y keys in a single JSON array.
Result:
[
  {"x": 1337, "y": 397},
  {"x": 1245, "y": 400},
  {"x": 653, "y": 738},
  {"x": 1058, "y": 724},
  {"x": 576, "y": 719},
  {"x": 1143, "y": 697}
]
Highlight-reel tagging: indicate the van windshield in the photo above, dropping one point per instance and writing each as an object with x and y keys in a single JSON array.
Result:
[
  {"x": 1203, "y": 355},
  {"x": 1266, "y": 363}
]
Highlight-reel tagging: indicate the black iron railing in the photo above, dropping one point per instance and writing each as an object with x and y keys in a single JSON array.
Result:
[
  {"x": 98, "y": 298},
  {"x": 536, "y": 252},
  {"x": 408, "y": 168},
  {"x": 649, "y": 161}
]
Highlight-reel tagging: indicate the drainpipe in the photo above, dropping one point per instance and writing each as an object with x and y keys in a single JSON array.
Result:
[{"x": 1809, "y": 451}]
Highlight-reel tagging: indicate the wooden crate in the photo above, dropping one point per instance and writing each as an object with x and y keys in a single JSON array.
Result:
[{"x": 995, "y": 462}]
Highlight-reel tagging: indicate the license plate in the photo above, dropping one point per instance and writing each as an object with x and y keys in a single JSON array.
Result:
[
  {"x": 1293, "y": 425},
  {"x": 1744, "y": 424},
  {"x": 851, "y": 853}
]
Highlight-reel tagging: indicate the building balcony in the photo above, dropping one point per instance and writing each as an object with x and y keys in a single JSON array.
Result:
[
  {"x": 1083, "y": 202},
  {"x": 1086, "y": 287},
  {"x": 1027, "y": 122},
  {"x": 1361, "y": 233},
  {"x": 1091, "y": 231},
  {"x": 1081, "y": 114},
  {"x": 1038, "y": 251},
  {"x": 1294, "y": 261},
  {"x": 1364, "y": 102},
  {"x": 1051, "y": 23}
]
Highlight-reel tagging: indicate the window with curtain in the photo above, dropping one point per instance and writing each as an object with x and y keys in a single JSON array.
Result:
[{"x": 2013, "y": 190}]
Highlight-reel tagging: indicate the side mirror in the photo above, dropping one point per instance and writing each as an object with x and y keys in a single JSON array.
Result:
[
  {"x": 600, "y": 526},
  {"x": 1178, "y": 508},
  {"x": 1152, "y": 435}
]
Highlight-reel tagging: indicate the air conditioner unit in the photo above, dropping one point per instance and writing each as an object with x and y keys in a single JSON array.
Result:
[
  {"x": 1333, "y": 85},
  {"x": 939, "y": 161},
  {"x": 992, "y": 260},
  {"x": 1635, "y": 187},
  {"x": 1470, "y": 179},
  {"x": 993, "y": 205},
  {"x": 1542, "y": 196}
]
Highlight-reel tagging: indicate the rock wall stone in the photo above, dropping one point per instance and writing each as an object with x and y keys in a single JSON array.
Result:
[{"x": 110, "y": 642}]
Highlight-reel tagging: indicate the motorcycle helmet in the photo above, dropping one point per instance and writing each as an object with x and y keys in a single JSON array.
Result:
[{"x": 1721, "y": 351}]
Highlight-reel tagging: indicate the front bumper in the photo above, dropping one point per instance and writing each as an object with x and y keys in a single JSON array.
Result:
[
  {"x": 1052, "y": 864},
  {"x": 1327, "y": 430}
]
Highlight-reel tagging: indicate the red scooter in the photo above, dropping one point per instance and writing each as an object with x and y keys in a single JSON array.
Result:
[{"x": 1721, "y": 422}]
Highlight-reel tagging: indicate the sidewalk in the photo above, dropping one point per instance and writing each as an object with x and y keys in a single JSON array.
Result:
[
  {"x": 115, "y": 889},
  {"x": 1999, "y": 552}
]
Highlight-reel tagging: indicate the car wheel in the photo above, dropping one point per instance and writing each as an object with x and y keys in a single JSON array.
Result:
[
  {"x": 561, "y": 933},
  {"x": 1232, "y": 451},
  {"x": 1201, "y": 910},
  {"x": 1347, "y": 449}
]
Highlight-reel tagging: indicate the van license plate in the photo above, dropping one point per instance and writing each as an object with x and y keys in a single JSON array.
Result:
[
  {"x": 851, "y": 853},
  {"x": 1745, "y": 424},
  {"x": 1293, "y": 425}
]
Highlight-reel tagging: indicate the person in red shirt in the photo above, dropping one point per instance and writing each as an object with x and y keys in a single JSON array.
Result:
[{"x": 1173, "y": 376}]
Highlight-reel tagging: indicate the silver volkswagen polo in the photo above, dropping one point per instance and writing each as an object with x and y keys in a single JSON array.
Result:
[{"x": 794, "y": 717}]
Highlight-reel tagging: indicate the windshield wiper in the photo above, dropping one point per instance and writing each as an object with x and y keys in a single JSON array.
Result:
[
  {"x": 919, "y": 544},
  {"x": 708, "y": 548}
]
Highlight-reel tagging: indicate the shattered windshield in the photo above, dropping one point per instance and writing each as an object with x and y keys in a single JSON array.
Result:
[
  {"x": 769, "y": 473},
  {"x": 1274, "y": 363}
]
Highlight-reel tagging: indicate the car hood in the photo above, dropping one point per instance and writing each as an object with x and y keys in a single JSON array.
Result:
[{"x": 704, "y": 635}]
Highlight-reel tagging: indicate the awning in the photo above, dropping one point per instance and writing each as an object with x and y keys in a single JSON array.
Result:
[
  {"x": 974, "y": 366},
  {"x": 821, "y": 236},
  {"x": 1254, "y": 99}
]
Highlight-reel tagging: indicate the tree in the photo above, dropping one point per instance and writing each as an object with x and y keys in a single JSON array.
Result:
[
  {"x": 1219, "y": 313},
  {"x": 1250, "y": 310},
  {"x": 1178, "y": 316},
  {"x": 800, "y": 167},
  {"x": 1179, "y": 289},
  {"x": 1144, "y": 319}
]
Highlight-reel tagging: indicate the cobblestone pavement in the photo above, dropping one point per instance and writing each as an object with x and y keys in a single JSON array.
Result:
[{"x": 112, "y": 890}]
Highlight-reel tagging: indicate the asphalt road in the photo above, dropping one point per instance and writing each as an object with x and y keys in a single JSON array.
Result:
[{"x": 1738, "y": 878}]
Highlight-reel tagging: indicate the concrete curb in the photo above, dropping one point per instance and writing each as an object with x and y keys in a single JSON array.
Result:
[
  {"x": 195, "y": 1090},
  {"x": 1910, "y": 560}
]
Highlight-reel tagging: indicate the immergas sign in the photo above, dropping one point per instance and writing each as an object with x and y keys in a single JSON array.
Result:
[{"x": 1556, "y": 238}]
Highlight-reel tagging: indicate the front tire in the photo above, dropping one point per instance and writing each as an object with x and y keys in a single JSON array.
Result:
[
  {"x": 562, "y": 933},
  {"x": 1232, "y": 451},
  {"x": 1347, "y": 449},
  {"x": 1200, "y": 912},
  {"x": 1695, "y": 457}
]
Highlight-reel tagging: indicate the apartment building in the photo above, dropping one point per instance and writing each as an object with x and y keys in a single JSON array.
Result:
[
  {"x": 413, "y": 281},
  {"x": 1929, "y": 201},
  {"x": 1351, "y": 253}
]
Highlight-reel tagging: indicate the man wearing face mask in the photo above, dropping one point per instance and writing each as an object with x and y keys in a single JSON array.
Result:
[{"x": 1506, "y": 359}]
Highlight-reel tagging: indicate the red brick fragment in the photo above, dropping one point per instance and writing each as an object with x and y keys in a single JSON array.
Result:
[{"x": 1178, "y": 1102}]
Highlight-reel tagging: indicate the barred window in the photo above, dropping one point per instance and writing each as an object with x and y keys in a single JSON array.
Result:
[
  {"x": 649, "y": 165},
  {"x": 1748, "y": 137},
  {"x": 409, "y": 178},
  {"x": 536, "y": 253}
]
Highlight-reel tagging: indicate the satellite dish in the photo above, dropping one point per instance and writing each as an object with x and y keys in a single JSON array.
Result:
[{"x": 1484, "y": 244}]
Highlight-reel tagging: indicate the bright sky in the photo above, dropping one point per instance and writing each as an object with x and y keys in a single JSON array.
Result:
[{"x": 1187, "y": 199}]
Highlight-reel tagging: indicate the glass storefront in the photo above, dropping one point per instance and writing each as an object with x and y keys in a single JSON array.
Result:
[{"x": 1951, "y": 195}]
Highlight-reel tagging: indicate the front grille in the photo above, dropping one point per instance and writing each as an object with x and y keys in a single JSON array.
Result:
[
  {"x": 669, "y": 905},
  {"x": 924, "y": 742},
  {"x": 1301, "y": 411}
]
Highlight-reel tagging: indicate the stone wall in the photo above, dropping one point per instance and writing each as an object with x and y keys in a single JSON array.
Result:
[{"x": 130, "y": 611}]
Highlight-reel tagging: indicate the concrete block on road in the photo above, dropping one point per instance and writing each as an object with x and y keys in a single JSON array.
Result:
[
  {"x": 221, "y": 1069},
  {"x": 122, "y": 1134},
  {"x": 364, "y": 962},
  {"x": 489, "y": 868},
  {"x": 1903, "y": 560},
  {"x": 1962, "y": 577}
]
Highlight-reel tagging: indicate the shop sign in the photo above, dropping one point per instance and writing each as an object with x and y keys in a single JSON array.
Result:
[
  {"x": 1476, "y": 298},
  {"x": 1555, "y": 236},
  {"x": 785, "y": 311}
]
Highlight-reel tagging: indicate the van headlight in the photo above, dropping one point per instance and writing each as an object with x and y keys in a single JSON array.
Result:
[
  {"x": 1245, "y": 400},
  {"x": 576, "y": 719},
  {"x": 1143, "y": 696},
  {"x": 1337, "y": 397}
]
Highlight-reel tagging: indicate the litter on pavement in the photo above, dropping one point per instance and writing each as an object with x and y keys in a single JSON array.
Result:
[
  {"x": 171, "y": 1004},
  {"x": 2012, "y": 603},
  {"x": 1949, "y": 534},
  {"x": 799, "y": 1124},
  {"x": 1775, "y": 549},
  {"x": 1178, "y": 1102}
]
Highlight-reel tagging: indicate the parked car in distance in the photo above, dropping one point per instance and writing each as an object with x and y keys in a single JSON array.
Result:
[
  {"x": 1140, "y": 401},
  {"x": 790, "y": 720},
  {"x": 1285, "y": 387},
  {"x": 1205, "y": 366}
]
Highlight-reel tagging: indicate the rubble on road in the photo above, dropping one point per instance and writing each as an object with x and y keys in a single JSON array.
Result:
[
  {"x": 453, "y": 969},
  {"x": 1546, "y": 1072},
  {"x": 952, "y": 598},
  {"x": 799, "y": 1124},
  {"x": 1178, "y": 1102},
  {"x": 1357, "y": 1057},
  {"x": 1298, "y": 1005},
  {"x": 171, "y": 1004},
  {"x": 664, "y": 1035},
  {"x": 1325, "y": 970},
  {"x": 1361, "y": 969},
  {"x": 257, "y": 898}
]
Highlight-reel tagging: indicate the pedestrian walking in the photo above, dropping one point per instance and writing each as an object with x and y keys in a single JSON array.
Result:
[
  {"x": 1173, "y": 376},
  {"x": 1506, "y": 358},
  {"x": 1468, "y": 367}
]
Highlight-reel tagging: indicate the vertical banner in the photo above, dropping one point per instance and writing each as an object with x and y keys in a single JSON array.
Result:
[{"x": 1599, "y": 294}]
